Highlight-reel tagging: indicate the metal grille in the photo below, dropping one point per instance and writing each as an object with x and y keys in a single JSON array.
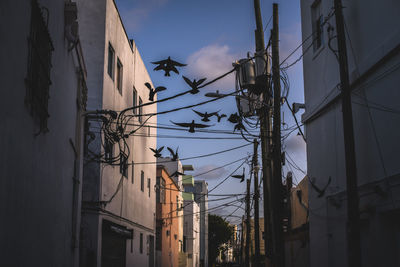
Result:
[{"x": 39, "y": 65}]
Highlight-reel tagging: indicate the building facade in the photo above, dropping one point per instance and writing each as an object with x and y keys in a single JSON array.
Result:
[
  {"x": 201, "y": 197},
  {"x": 118, "y": 208},
  {"x": 373, "y": 49},
  {"x": 168, "y": 216},
  {"x": 43, "y": 98}
]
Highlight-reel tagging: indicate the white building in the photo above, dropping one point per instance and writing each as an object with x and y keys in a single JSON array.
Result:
[
  {"x": 118, "y": 209},
  {"x": 43, "y": 96},
  {"x": 191, "y": 230},
  {"x": 201, "y": 197},
  {"x": 373, "y": 48}
]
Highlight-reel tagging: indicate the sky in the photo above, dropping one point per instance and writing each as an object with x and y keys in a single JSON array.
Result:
[{"x": 208, "y": 36}]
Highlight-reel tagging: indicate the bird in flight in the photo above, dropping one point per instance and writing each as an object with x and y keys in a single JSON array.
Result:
[
  {"x": 176, "y": 174},
  {"x": 152, "y": 91},
  {"x": 239, "y": 126},
  {"x": 234, "y": 118},
  {"x": 321, "y": 192},
  {"x": 192, "y": 125},
  {"x": 157, "y": 152},
  {"x": 174, "y": 155},
  {"x": 206, "y": 115},
  {"x": 168, "y": 65},
  {"x": 239, "y": 176},
  {"x": 220, "y": 117},
  {"x": 194, "y": 84}
]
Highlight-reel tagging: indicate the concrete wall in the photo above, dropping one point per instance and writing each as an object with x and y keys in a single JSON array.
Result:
[
  {"x": 102, "y": 25},
  {"x": 370, "y": 25},
  {"x": 36, "y": 171}
]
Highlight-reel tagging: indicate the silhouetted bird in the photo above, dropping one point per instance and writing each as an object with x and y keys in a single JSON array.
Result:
[
  {"x": 239, "y": 126},
  {"x": 174, "y": 155},
  {"x": 194, "y": 85},
  {"x": 152, "y": 91},
  {"x": 321, "y": 192},
  {"x": 168, "y": 65},
  {"x": 176, "y": 174},
  {"x": 206, "y": 115},
  {"x": 220, "y": 117},
  {"x": 191, "y": 125},
  {"x": 234, "y": 118},
  {"x": 241, "y": 177},
  {"x": 157, "y": 152}
]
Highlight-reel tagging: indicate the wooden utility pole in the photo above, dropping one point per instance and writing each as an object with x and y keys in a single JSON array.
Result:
[
  {"x": 247, "y": 259},
  {"x": 256, "y": 207},
  {"x": 265, "y": 135},
  {"x": 276, "y": 192},
  {"x": 353, "y": 215}
]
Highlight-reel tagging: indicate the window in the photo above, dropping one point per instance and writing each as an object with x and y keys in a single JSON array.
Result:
[
  {"x": 133, "y": 172},
  {"x": 148, "y": 185},
  {"x": 110, "y": 66},
  {"x": 140, "y": 109},
  {"x": 160, "y": 196},
  {"x": 168, "y": 232},
  {"x": 119, "y": 76},
  {"x": 40, "y": 49},
  {"x": 141, "y": 244},
  {"x": 134, "y": 100},
  {"x": 317, "y": 25},
  {"x": 108, "y": 149},
  {"x": 123, "y": 164},
  {"x": 142, "y": 181},
  {"x": 177, "y": 206}
]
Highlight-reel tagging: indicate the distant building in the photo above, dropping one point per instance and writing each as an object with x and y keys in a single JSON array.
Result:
[
  {"x": 201, "y": 197},
  {"x": 191, "y": 227},
  {"x": 119, "y": 200},
  {"x": 42, "y": 102},
  {"x": 167, "y": 215},
  {"x": 174, "y": 168},
  {"x": 373, "y": 50}
]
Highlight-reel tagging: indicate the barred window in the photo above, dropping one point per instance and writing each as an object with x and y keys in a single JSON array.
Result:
[
  {"x": 317, "y": 25},
  {"x": 40, "y": 48}
]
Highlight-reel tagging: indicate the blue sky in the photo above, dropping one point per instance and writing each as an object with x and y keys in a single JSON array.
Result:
[{"x": 208, "y": 36}]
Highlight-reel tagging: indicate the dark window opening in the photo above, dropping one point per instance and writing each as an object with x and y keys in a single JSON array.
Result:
[
  {"x": 140, "y": 109},
  {"x": 148, "y": 185},
  {"x": 40, "y": 48},
  {"x": 134, "y": 100},
  {"x": 123, "y": 164},
  {"x": 142, "y": 181},
  {"x": 119, "y": 76},
  {"x": 141, "y": 244},
  {"x": 110, "y": 66},
  {"x": 133, "y": 172}
]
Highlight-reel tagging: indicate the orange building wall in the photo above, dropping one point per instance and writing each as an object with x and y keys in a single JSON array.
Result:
[{"x": 169, "y": 244}]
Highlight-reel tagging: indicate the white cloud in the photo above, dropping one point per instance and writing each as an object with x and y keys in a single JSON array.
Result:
[
  {"x": 212, "y": 61},
  {"x": 211, "y": 175},
  {"x": 134, "y": 16}
]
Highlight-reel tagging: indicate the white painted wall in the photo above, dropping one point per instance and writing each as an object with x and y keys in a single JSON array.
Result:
[
  {"x": 102, "y": 25},
  {"x": 373, "y": 30},
  {"x": 36, "y": 173},
  {"x": 191, "y": 230}
]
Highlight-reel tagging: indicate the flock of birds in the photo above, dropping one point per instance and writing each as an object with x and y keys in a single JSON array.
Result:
[{"x": 168, "y": 65}]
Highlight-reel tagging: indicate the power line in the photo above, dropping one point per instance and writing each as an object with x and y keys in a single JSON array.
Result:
[{"x": 195, "y": 157}]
